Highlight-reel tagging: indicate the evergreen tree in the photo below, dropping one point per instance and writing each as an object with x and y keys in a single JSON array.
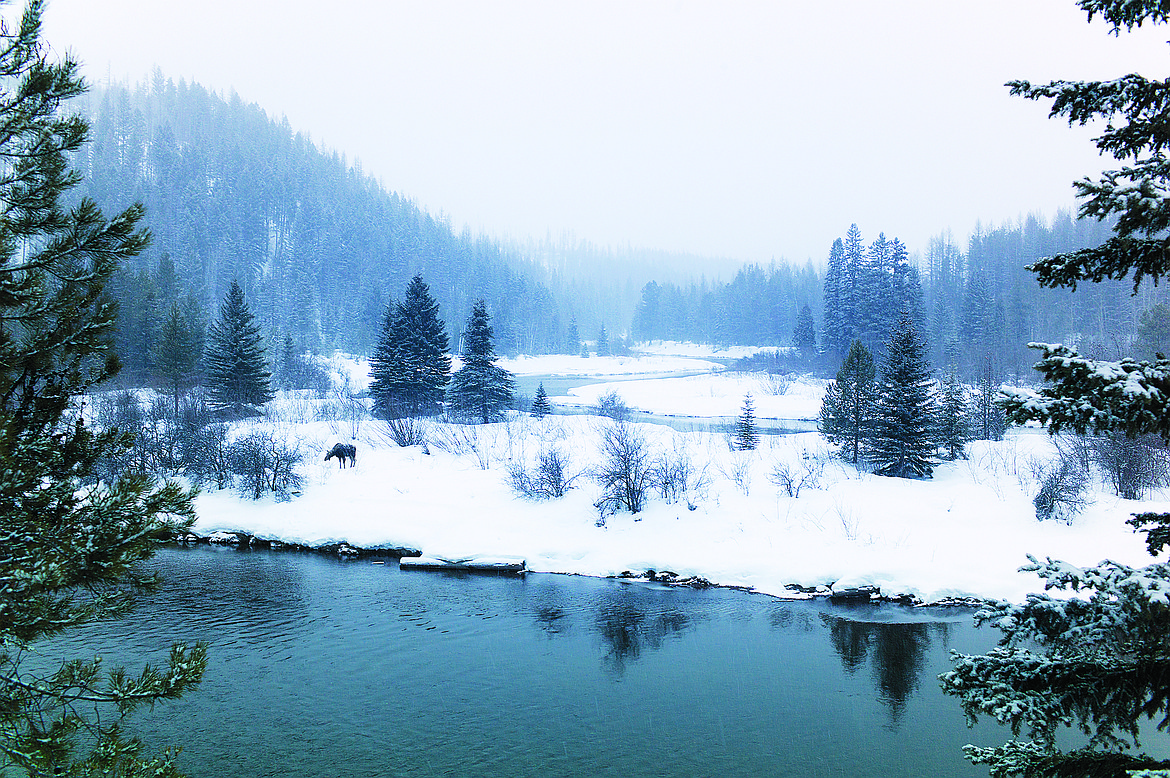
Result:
[
  {"x": 177, "y": 355},
  {"x": 411, "y": 367},
  {"x": 804, "y": 335},
  {"x": 1096, "y": 661},
  {"x": 846, "y": 416},
  {"x": 480, "y": 389},
  {"x": 836, "y": 326},
  {"x": 237, "y": 372},
  {"x": 747, "y": 437},
  {"x": 603, "y": 349},
  {"x": 573, "y": 339},
  {"x": 540, "y": 404},
  {"x": 954, "y": 424},
  {"x": 71, "y": 543},
  {"x": 905, "y": 438}
]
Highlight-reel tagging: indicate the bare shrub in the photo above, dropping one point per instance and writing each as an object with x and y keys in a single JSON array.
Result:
[
  {"x": 407, "y": 431},
  {"x": 677, "y": 478},
  {"x": 612, "y": 405},
  {"x": 775, "y": 384},
  {"x": 625, "y": 472},
  {"x": 805, "y": 474},
  {"x": 738, "y": 469},
  {"x": 549, "y": 479},
  {"x": 265, "y": 464},
  {"x": 1133, "y": 466},
  {"x": 1062, "y": 487},
  {"x": 202, "y": 443}
]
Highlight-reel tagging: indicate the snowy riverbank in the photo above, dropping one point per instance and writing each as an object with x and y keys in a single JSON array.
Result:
[{"x": 964, "y": 533}]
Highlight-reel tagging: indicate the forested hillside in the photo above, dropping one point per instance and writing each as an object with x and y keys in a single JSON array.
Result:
[{"x": 319, "y": 247}]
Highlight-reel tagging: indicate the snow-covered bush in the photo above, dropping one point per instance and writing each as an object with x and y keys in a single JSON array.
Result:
[{"x": 550, "y": 478}]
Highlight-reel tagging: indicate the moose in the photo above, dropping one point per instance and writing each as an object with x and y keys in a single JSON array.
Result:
[{"x": 343, "y": 452}]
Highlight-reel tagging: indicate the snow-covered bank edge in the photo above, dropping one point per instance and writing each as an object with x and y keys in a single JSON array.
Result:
[{"x": 516, "y": 566}]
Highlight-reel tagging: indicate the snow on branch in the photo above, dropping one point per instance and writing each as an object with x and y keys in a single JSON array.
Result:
[{"x": 1099, "y": 396}]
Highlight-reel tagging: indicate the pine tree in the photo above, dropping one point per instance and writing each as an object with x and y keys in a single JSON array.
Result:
[
  {"x": 540, "y": 404},
  {"x": 904, "y": 438},
  {"x": 834, "y": 286},
  {"x": 747, "y": 437},
  {"x": 846, "y": 416},
  {"x": 480, "y": 389},
  {"x": 954, "y": 424},
  {"x": 603, "y": 349},
  {"x": 804, "y": 334},
  {"x": 1096, "y": 661},
  {"x": 411, "y": 367},
  {"x": 177, "y": 354},
  {"x": 573, "y": 338},
  {"x": 237, "y": 371},
  {"x": 71, "y": 543}
]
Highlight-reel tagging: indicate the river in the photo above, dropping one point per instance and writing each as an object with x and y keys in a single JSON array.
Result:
[{"x": 327, "y": 668}]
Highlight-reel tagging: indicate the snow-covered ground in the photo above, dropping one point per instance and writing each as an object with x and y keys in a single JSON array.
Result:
[{"x": 964, "y": 533}]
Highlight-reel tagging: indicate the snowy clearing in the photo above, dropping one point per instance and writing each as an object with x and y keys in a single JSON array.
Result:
[{"x": 962, "y": 534}]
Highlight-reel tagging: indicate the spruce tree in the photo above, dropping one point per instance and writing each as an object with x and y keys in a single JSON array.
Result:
[
  {"x": 1097, "y": 660},
  {"x": 954, "y": 423},
  {"x": 804, "y": 334},
  {"x": 540, "y": 403},
  {"x": 603, "y": 349},
  {"x": 177, "y": 354},
  {"x": 836, "y": 326},
  {"x": 237, "y": 371},
  {"x": 847, "y": 412},
  {"x": 410, "y": 366},
  {"x": 480, "y": 389},
  {"x": 747, "y": 437},
  {"x": 905, "y": 437},
  {"x": 72, "y": 543}
]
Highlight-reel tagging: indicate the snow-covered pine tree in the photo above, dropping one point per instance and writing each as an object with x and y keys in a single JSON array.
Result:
[
  {"x": 72, "y": 542},
  {"x": 905, "y": 437},
  {"x": 410, "y": 367},
  {"x": 846, "y": 416},
  {"x": 237, "y": 371},
  {"x": 954, "y": 423},
  {"x": 747, "y": 437},
  {"x": 1096, "y": 661},
  {"x": 540, "y": 404},
  {"x": 481, "y": 388}
]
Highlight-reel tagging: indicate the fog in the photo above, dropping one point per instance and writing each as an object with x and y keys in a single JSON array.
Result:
[{"x": 749, "y": 131}]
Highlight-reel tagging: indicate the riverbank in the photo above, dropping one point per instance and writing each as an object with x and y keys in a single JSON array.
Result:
[{"x": 783, "y": 520}]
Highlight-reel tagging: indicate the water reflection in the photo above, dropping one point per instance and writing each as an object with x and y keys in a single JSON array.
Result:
[
  {"x": 628, "y": 621},
  {"x": 897, "y": 650}
]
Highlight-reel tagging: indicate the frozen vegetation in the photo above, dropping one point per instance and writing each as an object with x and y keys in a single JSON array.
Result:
[{"x": 787, "y": 513}]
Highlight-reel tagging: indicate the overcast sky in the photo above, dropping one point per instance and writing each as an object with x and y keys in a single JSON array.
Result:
[{"x": 751, "y": 130}]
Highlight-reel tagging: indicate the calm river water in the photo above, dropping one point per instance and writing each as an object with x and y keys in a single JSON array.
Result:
[{"x": 328, "y": 668}]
